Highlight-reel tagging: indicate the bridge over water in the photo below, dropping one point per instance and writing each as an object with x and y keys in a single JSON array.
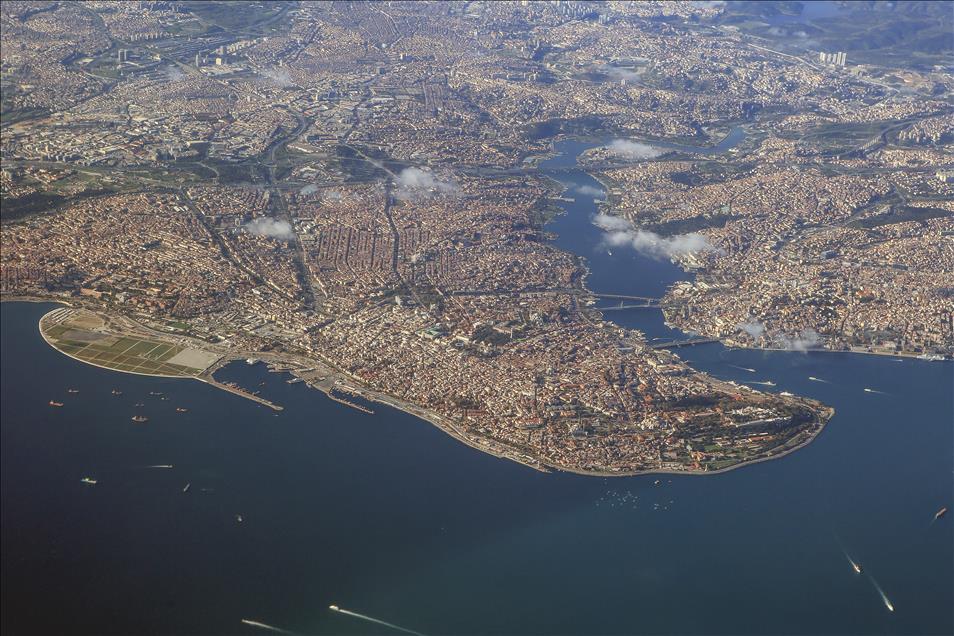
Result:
[{"x": 687, "y": 342}]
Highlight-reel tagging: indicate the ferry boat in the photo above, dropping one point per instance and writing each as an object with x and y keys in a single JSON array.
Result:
[
  {"x": 88, "y": 480},
  {"x": 140, "y": 418},
  {"x": 53, "y": 403},
  {"x": 294, "y": 381}
]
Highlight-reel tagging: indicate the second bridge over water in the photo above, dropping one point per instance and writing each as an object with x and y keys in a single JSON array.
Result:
[{"x": 626, "y": 301}]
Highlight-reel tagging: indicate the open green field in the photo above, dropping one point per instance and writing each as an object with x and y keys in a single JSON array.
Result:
[{"x": 73, "y": 335}]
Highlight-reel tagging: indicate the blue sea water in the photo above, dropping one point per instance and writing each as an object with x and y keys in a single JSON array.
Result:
[{"x": 387, "y": 516}]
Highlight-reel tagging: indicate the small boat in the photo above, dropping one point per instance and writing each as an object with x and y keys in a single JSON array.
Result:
[
  {"x": 140, "y": 418},
  {"x": 293, "y": 381},
  {"x": 251, "y": 361},
  {"x": 940, "y": 513},
  {"x": 139, "y": 405},
  {"x": 72, "y": 390},
  {"x": 179, "y": 409},
  {"x": 117, "y": 392},
  {"x": 156, "y": 393},
  {"x": 54, "y": 403},
  {"x": 187, "y": 486},
  {"x": 88, "y": 480},
  {"x": 239, "y": 518},
  {"x": 856, "y": 567}
]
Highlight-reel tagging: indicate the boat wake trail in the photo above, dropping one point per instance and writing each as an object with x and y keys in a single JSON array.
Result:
[
  {"x": 854, "y": 565},
  {"x": 271, "y": 628},
  {"x": 335, "y": 608},
  {"x": 884, "y": 597}
]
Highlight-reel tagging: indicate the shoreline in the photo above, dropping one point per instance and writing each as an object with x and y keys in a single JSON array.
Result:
[
  {"x": 205, "y": 376},
  {"x": 300, "y": 361},
  {"x": 431, "y": 417}
]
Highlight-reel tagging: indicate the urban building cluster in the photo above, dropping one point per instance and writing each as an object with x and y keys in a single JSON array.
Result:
[{"x": 352, "y": 186}]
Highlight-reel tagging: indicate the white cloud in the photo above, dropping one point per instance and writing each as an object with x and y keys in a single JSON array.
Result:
[
  {"x": 279, "y": 76},
  {"x": 174, "y": 74},
  {"x": 619, "y": 232},
  {"x": 753, "y": 327},
  {"x": 264, "y": 226},
  {"x": 611, "y": 223},
  {"x": 807, "y": 339},
  {"x": 633, "y": 149},
  {"x": 417, "y": 182},
  {"x": 590, "y": 191},
  {"x": 622, "y": 73}
]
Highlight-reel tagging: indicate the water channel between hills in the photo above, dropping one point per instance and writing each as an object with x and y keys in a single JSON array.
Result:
[{"x": 388, "y": 516}]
